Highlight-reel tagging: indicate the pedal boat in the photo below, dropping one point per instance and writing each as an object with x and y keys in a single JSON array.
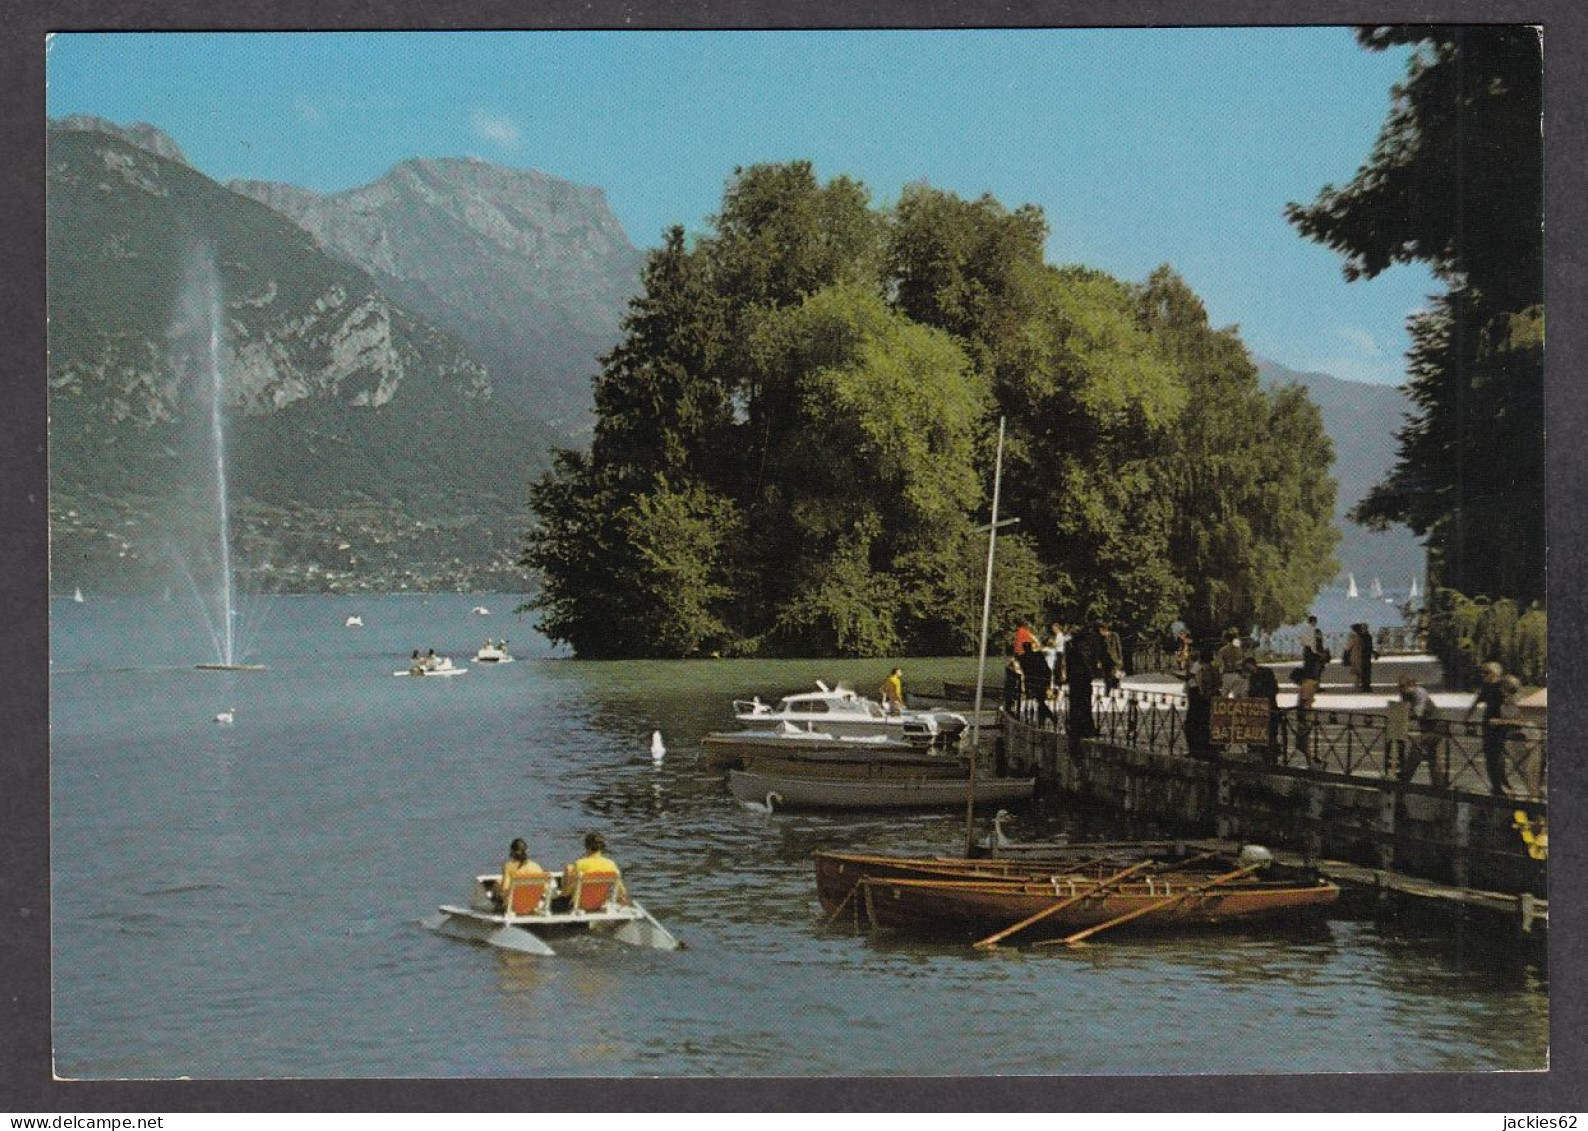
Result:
[
  {"x": 525, "y": 920},
  {"x": 444, "y": 668}
]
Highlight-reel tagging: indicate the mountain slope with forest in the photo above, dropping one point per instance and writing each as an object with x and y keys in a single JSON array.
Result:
[
  {"x": 1361, "y": 420},
  {"x": 366, "y": 446}
]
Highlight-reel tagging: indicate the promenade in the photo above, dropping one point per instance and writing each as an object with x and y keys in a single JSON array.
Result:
[{"x": 1329, "y": 790}]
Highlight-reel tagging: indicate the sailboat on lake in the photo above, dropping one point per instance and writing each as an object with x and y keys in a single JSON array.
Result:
[{"x": 1350, "y": 589}]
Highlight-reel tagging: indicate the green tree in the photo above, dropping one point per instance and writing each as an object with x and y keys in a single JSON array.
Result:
[
  {"x": 875, "y": 449},
  {"x": 1251, "y": 530},
  {"x": 661, "y": 405},
  {"x": 1455, "y": 180}
]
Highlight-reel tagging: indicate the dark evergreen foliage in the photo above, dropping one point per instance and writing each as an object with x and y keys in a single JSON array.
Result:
[{"x": 1456, "y": 181}]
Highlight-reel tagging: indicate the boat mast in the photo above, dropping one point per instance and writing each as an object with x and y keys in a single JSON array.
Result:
[{"x": 981, "y": 661}]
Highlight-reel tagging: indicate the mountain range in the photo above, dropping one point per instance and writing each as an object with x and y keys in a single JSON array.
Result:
[
  {"x": 1361, "y": 420},
  {"x": 531, "y": 272},
  {"x": 397, "y": 360},
  {"x": 354, "y": 428}
]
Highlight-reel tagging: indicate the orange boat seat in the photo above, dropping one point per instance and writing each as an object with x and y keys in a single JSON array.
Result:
[
  {"x": 592, "y": 891},
  {"x": 527, "y": 893}
]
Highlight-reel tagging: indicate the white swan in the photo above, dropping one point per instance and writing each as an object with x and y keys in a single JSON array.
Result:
[
  {"x": 773, "y": 800},
  {"x": 998, "y": 838},
  {"x": 226, "y": 717},
  {"x": 658, "y": 749}
]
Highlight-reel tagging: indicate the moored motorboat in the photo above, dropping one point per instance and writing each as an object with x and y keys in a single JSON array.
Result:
[
  {"x": 735, "y": 749},
  {"x": 913, "y": 791},
  {"x": 531, "y": 912},
  {"x": 840, "y": 713}
]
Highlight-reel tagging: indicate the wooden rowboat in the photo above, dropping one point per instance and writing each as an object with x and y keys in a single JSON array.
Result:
[
  {"x": 988, "y": 904},
  {"x": 1082, "y": 887}
]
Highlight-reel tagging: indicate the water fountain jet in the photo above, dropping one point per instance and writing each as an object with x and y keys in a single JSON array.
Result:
[{"x": 226, "y": 634}]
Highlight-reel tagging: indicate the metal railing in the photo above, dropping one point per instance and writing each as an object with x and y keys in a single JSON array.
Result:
[{"x": 1442, "y": 755}]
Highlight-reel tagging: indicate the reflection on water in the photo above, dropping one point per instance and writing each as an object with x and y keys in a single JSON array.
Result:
[{"x": 271, "y": 875}]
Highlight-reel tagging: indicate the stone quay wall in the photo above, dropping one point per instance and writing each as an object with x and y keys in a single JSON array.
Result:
[{"x": 1465, "y": 839}]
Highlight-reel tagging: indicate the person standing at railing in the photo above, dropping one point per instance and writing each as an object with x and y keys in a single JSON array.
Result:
[
  {"x": 1204, "y": 686},
  {"x": 1491, "y": 697},
  {"x": 1228, "y": 660},
  {"x": 1423, "y": 743},
  {"x": 1014, "y": 684},
  {"x": 1262, "y": 683},
  {"x": 1314, "y": 656},
  {"x": 1078, "y": 671},
  {"x": 1110, "y": 656},
  {"x": 1359, "y": 656},
  {"x": 1038, "y": 677},
  {"x": 1306, "y": 695}
]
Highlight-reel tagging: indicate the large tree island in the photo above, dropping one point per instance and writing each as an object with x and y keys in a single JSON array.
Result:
[{"x": 793, "y": 443}]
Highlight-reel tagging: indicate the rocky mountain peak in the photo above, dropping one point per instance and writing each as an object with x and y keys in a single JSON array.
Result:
[{"x": 140, "y": 134}]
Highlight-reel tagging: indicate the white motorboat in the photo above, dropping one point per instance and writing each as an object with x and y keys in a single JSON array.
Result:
[
  {"x": 443, "y": 667},
  {"x": 839, "y": 713},
  {"x": 531, "y": 912},
  {"x": 736, "y": 749},
  {"x": 493, "y": 653}
]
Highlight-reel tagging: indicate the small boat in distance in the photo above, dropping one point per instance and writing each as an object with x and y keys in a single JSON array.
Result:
[
  {"x": 443, "y": 667},
  {"x": 1376, "y": 589},
  {"x": 530, "y": 912},
  {"x": 481, "y": 611},
  {"x": 1413, "y": 594},
  {"x": 354, "y": 622},
  {"x": 1350, "y": 588},
  {"x": 77, "y": 596},
  {"x": 493, "y": 652}
]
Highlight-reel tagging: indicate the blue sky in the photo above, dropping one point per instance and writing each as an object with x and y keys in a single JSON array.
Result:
[{"x": 1143, "y": 146}]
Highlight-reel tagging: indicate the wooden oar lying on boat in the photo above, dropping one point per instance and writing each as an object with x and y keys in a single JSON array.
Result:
[
  {"x": 1103, "y": 885},
  {"x": 1228, "y": 877}
]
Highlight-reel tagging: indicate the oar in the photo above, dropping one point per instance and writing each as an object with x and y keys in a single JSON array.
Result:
[
  {"x": 1228, "y": 877},
  {"x": 992, "y": 941}
]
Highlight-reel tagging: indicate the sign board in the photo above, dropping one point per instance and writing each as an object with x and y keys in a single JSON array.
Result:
[
  {"x": 1240, "y": 720},
  {"x": 1397, "y": 722}
]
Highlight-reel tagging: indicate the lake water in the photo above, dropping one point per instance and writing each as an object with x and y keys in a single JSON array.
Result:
[{"x": 243, "y": 901}]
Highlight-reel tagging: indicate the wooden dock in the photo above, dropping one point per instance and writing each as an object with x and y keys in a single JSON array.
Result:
[{"x": 1528, "y": 912}]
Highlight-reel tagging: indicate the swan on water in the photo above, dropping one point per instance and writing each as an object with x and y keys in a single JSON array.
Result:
[
  {"x": 773, "y": 800},
  {"x": 225, "y": 717},
  {"x": 658, "y": 750},
  {"x": 998, "y": 838}
]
